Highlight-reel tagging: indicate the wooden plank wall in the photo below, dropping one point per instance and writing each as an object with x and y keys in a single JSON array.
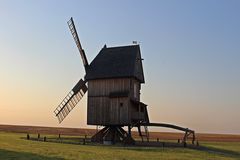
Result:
[{"x": 103, "y": 110}]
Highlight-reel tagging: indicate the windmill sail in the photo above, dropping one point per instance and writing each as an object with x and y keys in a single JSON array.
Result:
[
  {"x": 71, "y": 100},
  {"x": 77, "y": 41}
]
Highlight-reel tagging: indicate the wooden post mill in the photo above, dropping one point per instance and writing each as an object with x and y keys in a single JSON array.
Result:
[{"x": 113, "y": 81}]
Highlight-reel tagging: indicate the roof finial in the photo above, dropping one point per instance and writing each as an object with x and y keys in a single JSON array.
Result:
[{"x": 134, "y": 42}]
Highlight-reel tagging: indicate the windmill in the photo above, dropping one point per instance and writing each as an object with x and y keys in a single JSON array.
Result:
[{"x": 114, "y": 80}]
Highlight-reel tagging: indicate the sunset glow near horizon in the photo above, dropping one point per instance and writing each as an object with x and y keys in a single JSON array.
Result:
[{"x": 191, "y": 52}]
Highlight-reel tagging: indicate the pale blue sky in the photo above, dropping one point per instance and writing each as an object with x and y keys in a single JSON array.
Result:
[{"x": 191, "y": 52}]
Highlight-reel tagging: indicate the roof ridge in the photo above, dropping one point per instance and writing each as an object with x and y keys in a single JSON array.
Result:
[{"x": 137, "y": 45}]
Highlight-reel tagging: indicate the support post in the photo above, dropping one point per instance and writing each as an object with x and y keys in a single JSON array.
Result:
[
  {"x": 113, "y": 134},
  {"x": 129, "y": 131}
]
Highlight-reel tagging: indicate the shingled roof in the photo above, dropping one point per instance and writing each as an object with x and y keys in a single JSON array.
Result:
[{"x": 116, "y": 62}]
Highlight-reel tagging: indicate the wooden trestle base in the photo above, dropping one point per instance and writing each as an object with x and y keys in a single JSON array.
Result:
[
  {"x": 113, "y": 134},
  {"x": 116, "y": 134}
]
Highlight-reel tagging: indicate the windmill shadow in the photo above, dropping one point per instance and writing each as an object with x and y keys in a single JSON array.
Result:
[
  {"x": 211, "y": 150},
  {"x": 218, "y": 151},
  {"x": 6, "y": 154}
]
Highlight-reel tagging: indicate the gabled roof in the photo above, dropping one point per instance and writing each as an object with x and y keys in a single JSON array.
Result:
[{"x": 116, "y": 62}]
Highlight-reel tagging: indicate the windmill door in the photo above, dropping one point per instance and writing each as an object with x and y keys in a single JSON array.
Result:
[
  {"x": 118, "y": 110},
  {"x": 123, "y": 110}
]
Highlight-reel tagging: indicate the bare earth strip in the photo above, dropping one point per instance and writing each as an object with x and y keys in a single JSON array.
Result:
[{"x": 81, "y": 131}]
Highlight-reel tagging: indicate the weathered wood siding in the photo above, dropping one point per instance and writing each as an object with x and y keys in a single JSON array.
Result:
[
  {"x": 103, "y": 110},
  {"x": 119, "y": 110},
  {"x": 134, "y": 83}
]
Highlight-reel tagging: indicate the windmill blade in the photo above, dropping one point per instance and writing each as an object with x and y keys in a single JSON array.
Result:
[
  {"x": 71, "y": 100},
  {"x": 77, "y": 41}
]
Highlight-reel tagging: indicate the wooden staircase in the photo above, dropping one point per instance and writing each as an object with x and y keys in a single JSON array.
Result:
[{"x": 144, "y": 135}]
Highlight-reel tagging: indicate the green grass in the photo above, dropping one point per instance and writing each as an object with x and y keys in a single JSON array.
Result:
[{"x": 14, "y": 146}]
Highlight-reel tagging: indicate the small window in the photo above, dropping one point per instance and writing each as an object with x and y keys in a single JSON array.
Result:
[{"x": 121, "y": 104}]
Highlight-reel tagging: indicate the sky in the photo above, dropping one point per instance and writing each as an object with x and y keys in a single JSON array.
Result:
[{"x": 191, "y": 52}]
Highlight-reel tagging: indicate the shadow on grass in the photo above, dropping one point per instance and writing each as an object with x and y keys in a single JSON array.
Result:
[
  {"x": 219, "y": 151},
  {"x": 12, "y": 155},
  {"x": 211, "y": 150},
  {"x": 168, "y": 145}
]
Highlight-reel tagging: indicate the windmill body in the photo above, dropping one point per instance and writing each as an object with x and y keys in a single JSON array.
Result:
[{"x": 113, "y": 81}]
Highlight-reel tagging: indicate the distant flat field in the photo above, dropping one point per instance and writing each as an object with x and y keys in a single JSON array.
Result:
[{"x": 89, "y": 132}]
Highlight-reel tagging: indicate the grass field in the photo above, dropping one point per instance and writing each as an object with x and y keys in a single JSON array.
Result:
[{"x": 15, "y": 146}]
